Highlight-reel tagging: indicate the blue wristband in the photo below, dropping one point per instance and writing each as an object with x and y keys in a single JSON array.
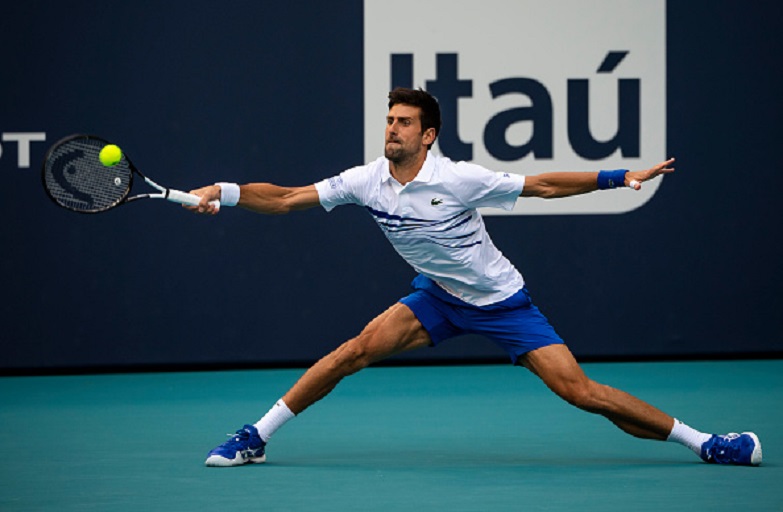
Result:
[{"x": 611, "y": 179}]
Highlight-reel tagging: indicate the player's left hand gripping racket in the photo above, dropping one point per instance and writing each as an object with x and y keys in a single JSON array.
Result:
[{"x": 75, "y": 178}]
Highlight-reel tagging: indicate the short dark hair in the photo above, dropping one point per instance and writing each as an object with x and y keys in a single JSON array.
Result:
[{"x": 426, "y": 102}]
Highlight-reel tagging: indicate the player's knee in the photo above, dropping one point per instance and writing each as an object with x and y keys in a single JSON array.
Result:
[
  {"x": 351, "y": 356},
  {"x": 582, "y": 394}
]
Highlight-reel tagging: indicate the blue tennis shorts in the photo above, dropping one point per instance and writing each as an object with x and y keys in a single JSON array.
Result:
[{"x": 515, "y": 324}]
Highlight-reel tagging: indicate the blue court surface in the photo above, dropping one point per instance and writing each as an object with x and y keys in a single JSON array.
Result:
[{"x": 460, "y": 438}]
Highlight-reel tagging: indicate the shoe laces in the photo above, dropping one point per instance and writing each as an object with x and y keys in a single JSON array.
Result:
[
  {"x": 724, "y": 448},
  {"x": 239, "y": 439}
]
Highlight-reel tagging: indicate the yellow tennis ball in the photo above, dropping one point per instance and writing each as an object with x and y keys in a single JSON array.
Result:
[{"x": 110, "y": 155}]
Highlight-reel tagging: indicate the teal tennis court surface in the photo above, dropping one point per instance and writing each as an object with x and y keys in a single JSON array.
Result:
[{"x": 469, "y": 438}]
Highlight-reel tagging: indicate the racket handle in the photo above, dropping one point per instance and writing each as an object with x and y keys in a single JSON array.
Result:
[{"x": 177, "y": 196}]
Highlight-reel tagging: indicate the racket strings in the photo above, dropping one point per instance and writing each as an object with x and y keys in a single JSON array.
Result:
[{"x": 76, "y": 179}]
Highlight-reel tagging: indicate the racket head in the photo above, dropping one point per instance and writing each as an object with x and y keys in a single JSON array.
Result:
[{"x": 74, "y": 177}]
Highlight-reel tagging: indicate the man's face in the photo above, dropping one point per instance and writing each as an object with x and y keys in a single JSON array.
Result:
[{"x": 404, "y": 137}]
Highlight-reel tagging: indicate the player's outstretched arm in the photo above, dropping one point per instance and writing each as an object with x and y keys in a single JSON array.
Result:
[
  {"x": 563, "y": 184},
  {"x": 261, "y": 198}
]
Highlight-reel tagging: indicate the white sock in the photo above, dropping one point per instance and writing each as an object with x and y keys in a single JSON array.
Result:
[
  {"x": 685, "y": 435},
  {"x": 277, "y": 416}
]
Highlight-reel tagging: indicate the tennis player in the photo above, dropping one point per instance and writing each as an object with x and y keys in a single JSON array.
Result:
[{"x": 426, "y": 205}]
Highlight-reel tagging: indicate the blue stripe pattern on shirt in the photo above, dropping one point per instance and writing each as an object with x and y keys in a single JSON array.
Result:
[{"x": 396, "y": 224}]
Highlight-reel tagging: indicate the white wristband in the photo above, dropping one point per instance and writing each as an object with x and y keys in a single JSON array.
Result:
[{"x": 229, "y": 193}]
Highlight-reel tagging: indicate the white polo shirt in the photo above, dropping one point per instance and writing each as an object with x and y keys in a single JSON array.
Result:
[{"x": 432, "y": 222}]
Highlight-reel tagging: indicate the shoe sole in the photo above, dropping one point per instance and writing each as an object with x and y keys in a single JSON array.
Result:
[
  {"x": 755, "y": 456},
  {"x": 216, "y": 461}
]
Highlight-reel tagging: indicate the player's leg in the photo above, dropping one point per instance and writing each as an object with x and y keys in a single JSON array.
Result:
[
  {"x": 527, "y": 336},
  {"x": 558, "y": 369},
  {"x": 395, "y": 330}
]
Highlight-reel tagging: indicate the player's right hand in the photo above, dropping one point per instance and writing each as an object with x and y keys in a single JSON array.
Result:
[{"x": 207, "y": 194}]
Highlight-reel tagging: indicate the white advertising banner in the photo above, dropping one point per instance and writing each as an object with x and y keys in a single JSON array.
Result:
[{"x": 529, "y": 86}]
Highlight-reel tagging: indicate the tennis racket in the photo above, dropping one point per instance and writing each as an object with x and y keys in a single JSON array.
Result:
[{"x": 74, "y": 178}]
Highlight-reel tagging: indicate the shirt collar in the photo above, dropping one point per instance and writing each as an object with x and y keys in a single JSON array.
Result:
[{"x": 424, "y": 175}]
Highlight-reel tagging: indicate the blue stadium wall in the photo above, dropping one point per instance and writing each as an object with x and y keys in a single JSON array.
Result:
[{"x": 198, "y": 92}]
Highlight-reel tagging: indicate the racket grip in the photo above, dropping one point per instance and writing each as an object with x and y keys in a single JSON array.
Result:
[{"x": 177, "y": 196}]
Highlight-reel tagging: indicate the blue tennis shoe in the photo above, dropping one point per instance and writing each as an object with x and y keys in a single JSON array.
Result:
[
  {"x": 244, "y": 446},
  {"x": 738, "y": 449}
]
